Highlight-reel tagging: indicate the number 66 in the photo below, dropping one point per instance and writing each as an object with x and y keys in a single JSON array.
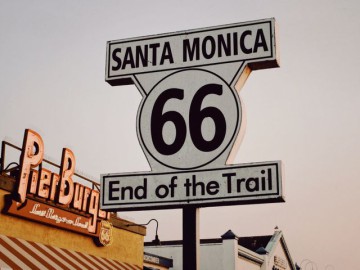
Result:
[{"x": 196, "y": 117}]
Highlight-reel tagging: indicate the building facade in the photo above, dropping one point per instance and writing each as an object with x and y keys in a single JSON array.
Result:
[
  {"x": 231, "y": 252},
  {"x": 50, "y": 220}
]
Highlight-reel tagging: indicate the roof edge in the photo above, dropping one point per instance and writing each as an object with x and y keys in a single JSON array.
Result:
[{"x": 278, "y": 237}]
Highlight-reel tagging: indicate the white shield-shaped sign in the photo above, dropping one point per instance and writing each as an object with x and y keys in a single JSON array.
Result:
[{"x": 191, "y": 120}]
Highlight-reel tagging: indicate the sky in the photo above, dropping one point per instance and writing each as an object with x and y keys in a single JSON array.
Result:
[{"x": 305, "y": 113}]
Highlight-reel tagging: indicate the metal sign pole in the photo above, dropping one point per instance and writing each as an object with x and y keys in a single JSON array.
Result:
[{"x": 191, "y": 240}]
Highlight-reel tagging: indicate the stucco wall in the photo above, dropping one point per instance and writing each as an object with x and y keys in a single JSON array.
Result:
[
  {"x": 245, "y": 264},
  {"x": 171, "y": 252},
  {"x": 211, "y": 256}
]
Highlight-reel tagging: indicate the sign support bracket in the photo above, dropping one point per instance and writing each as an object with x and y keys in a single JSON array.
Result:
[{"x": 191, "y": 239}]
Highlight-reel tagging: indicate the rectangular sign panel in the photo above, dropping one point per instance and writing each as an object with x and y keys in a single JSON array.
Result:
[
  {"x": 250, "y": 41},
  {"x": 229, "y": 185}
]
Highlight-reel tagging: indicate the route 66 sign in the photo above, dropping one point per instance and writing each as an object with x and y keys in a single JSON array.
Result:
[
  {"x": 190, "y": 121},
  {"x": 202, "y": 126}
]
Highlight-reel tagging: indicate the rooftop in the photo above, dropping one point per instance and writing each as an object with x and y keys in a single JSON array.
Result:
[{"x": 253, "y": 243}]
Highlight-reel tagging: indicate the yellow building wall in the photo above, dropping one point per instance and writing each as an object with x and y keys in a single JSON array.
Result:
[{"x": 127, "y": 246}]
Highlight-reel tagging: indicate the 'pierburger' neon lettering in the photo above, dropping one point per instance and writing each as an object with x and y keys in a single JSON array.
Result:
[{"x": 59, "y": 188}]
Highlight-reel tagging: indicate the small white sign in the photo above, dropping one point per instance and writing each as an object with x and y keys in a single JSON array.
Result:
[{"x": 236, "y": 184}]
